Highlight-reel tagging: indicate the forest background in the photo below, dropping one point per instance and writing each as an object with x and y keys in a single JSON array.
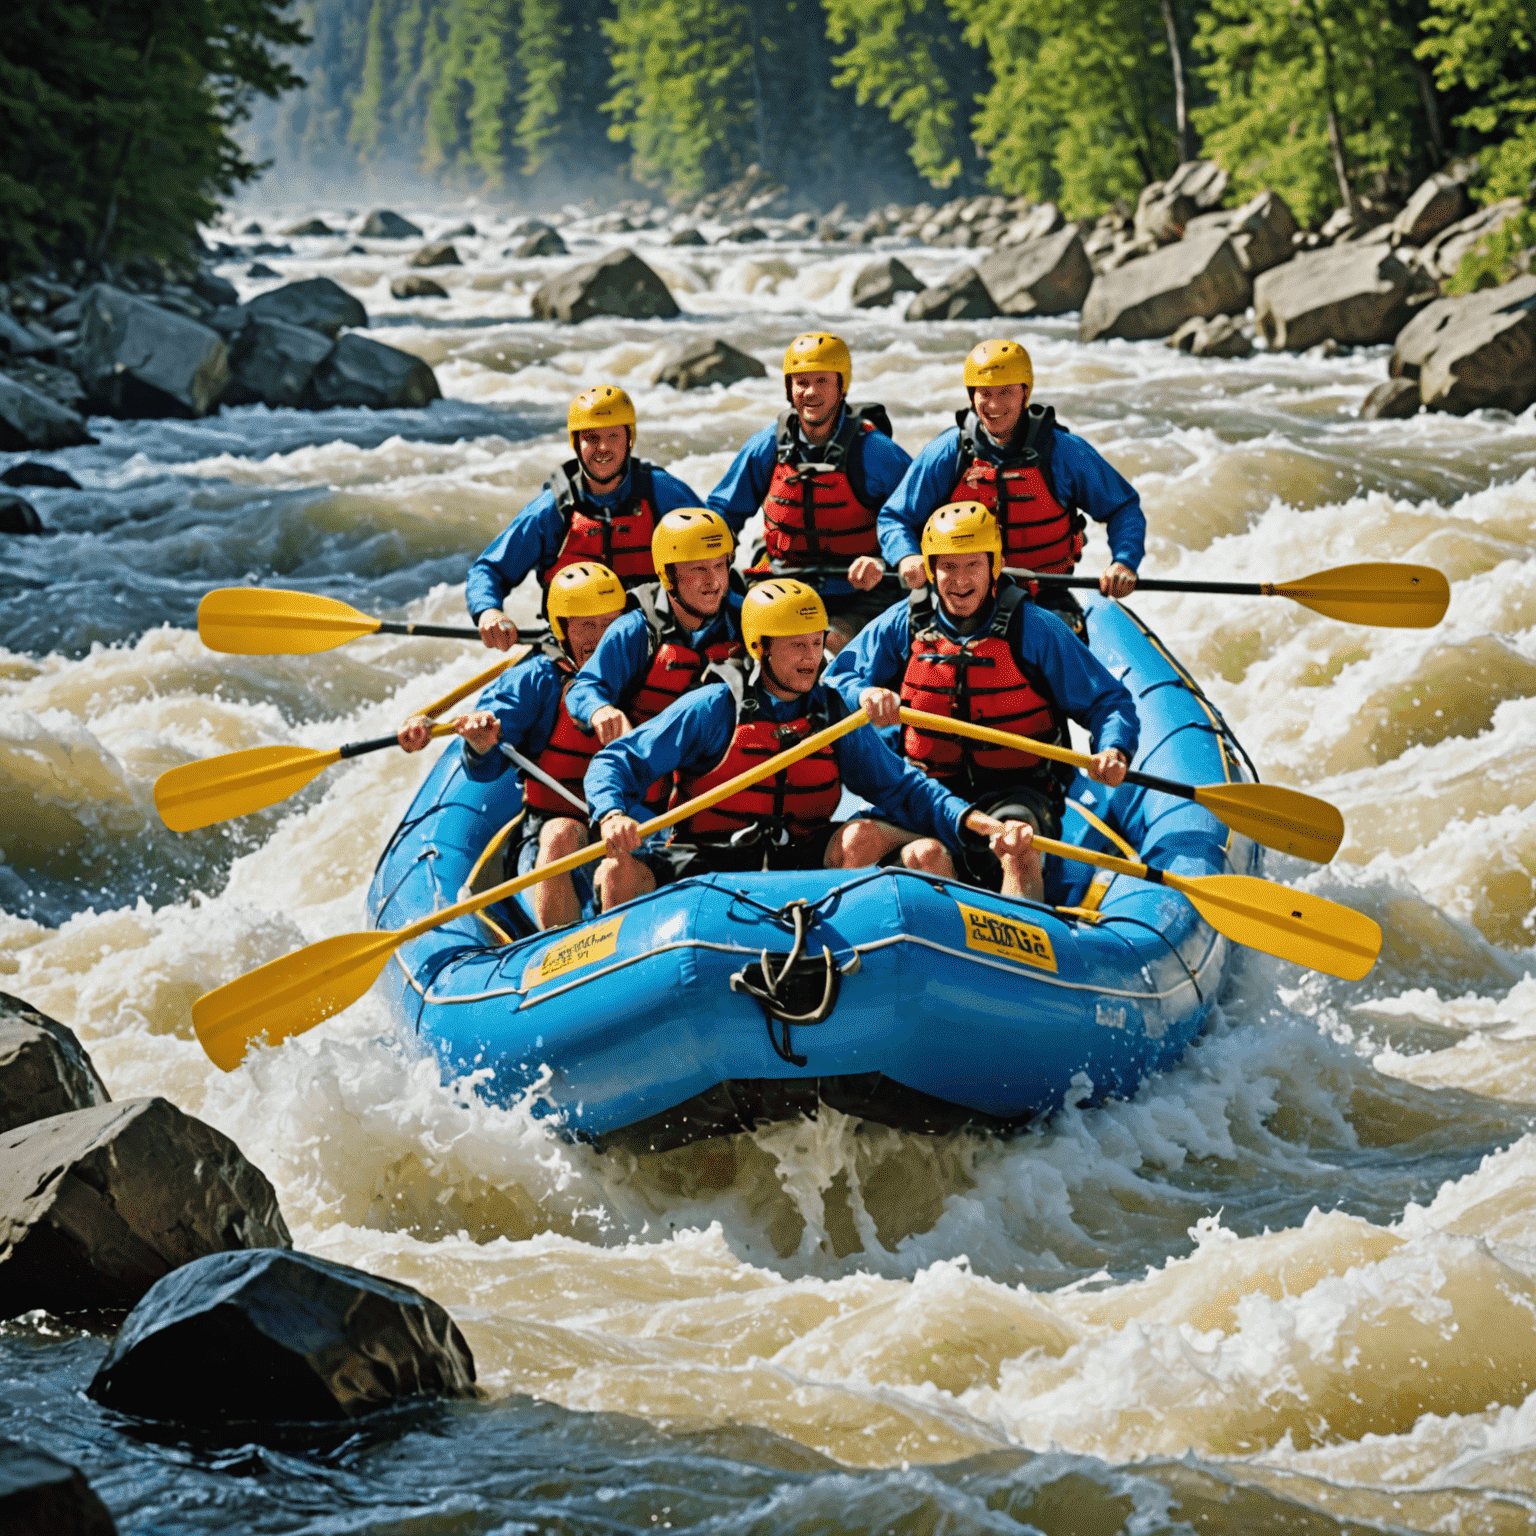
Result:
[{"x": 125, "y": 122}]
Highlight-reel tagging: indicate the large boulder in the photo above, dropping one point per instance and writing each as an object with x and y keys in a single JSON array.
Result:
[
  {"x": 1262, "y": 231},
  {"x": 18, "y": 517},
  {"x": 616, "y": 284},
  {"x": 1046, "y": 277},
  {"x": 272, "y": 363},
  {"x": 44, "y": 1070},
  {"x": 707, "y": 360},
  {"x": 961, "y": 296},
  {"x": 382, "y": 224},
  {"x": 136, "y": 359},
  {"x": 1442, "y": 255},
  {"x": 1355, "y": 294},
  {"x": 1155, "y": 295},
  {"x": 545, "y": 241},
  {"x": 361, "y": 371},
  {"x": 98, "y": 1204},
  {"x": 29, "y": 420},
  {"x": 879, "y": 283},
  {"x": 1472, "y": 352},
  {"x": 440, "y": 253},
  {"x": 43, "y": 1496},
  {"x": 1435, "y": 205},
  {"x": 280, "y": 1336},
  {"x": 317, "y": 303}
]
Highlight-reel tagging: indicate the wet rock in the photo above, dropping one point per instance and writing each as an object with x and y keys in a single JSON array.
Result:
[
  {"x": 308, "y": 227},
  {"x": 44, "y": 1070},
  {"x": 1358, "y": 295},
  {"x": 359, "y": 371},
  {"x": 1222, "y": 336},
  {"x": 98, "y": 1204},
  {"x": 43, "y": 1496},
  {"x": 1035, "y": 224},
  {"x": 529, "y": 227},
  {"x": 31, "y": 420},
  {"x": 229, "y": 320},
  {"x": 1442, "y": 255},
  {"x": 440, "y": 253},
  {"x": 961, "y": 296},
  {"x": 1262, "y": 231},
  {"x": 1392, "y": 399},
  {"x": 743, "y": 234},
  {"x": 253, "y": 228},
  {"x": 415, "y": 286},
  {"x": 317, "y": 303},
  {"x": 260, "y": 269},
  {"x": 709, "y": 360},
  {"x": 30, "y": 340},
  {"x": 689, "y": 236},
  {"x": 50, "y": 380},
  {"x": 383, "y": 224},
  {"x": 272, "y": 362},
  {"x": 18, "y": 516},
  {"x": 1162, "y": 213},
  {"x": 459, "y": 231},
  {"x": 1045, "y": 277},
  {"x": 29, "y": 473},
  {"x": 217, "y": 291},
  {"x": 544, "y": 242},
  {"x": 1155, "y": 295},
  {"x": 617, "y": 284},
  {"x": 1435, "y": 205},
  {"x": 1473, "y": 352},
  {"x": 879, "y": 283},
  {"x": 136, "y": 359},
  {"x": 275, "y": 1336}
]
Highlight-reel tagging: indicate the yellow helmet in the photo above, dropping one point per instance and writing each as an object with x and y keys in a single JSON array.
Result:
[
  {"x": 582, "y": 591},
  {"x": 780, "y": 607},
  {"x": 962, "y": 528},
  {"x": 604, "y": 405},
  {"x": 997, "y": 363},
  {"x": 689, "y": 533},
  {"x": 818, "y": 352}
]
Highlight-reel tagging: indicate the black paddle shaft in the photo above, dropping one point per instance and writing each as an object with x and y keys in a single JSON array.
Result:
[
  {"x": 1151, "y": 584},
  {"x": 449, "y": 632},
  {"x": 360, "y": 748}
]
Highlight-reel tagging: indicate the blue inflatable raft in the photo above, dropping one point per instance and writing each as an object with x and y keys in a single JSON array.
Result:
[{"x": 719, "y": 1003}]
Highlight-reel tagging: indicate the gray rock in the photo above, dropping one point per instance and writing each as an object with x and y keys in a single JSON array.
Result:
[
  {"x": 67, "y": 316},
  {"x": 743, "y": 234},
  {"x": 616, "y": 284},
  {"x": 30, "y": 473},
  {"x": 98, "y": 1204},
  {"x": 1442, "y": 255},
  {"x": 529, "y": 227},
  {"x": 229, "y": 320},
  {"x": 1262, "y": 231},
  {"x": 961, "y": 296},
  {"x": 43, "y": 1496},
  {"x": 280, "y": 1336},
  {"x": 1203, "y": 182},
  {"x": 1473, "y": 352},
  {"x": 317, "y": 303},
  {"x": 1045, "y": 277},
  {"x": 414, "y": 286},
  {"x": 214, "y": 290},
  {"x": 25, "y": 340},
  {"x": 260, "y": 269},
  {"x": 1155, "y": 295},
  {"x": 464, "y": 230},
  {"x": 1222, "y": 336},
  {"x": 18, "y": 517},
  {"x": 253, "y": 228},
  {"x": 1435, "y": 205},
  {"x": 31, "y": 420},
  {"x": 1035, "y": 224},
  {"x": 708, "y": 360},
  {"x": 880, "y": 282},
  {"x": 309, "y": 227},
  {"x": 50, "y": 380},
  {"x": 382, "y": 224},
  {"x": 271, "y": 363},
  {"x": 1162, "y": 213},
  {"x": 440, "y": 253},
  {"x": 543, "y": 242},
  {"x": 689, "y": 236},
  {"x": 1393, "y": 399},
  {"x": 44, "y": 1070},
  {"x": 359, "y": 371},
  {"x": 136, "y": 359},
  {"x": 1357, "y": 295}
]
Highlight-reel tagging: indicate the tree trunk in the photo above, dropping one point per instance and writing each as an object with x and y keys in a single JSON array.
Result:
[
  {"x": 759, "y": 107},
  {"x": 1431, "y": 113},
  {"x": 1335, "y": 131},
  {"x": 1180, "y": 115}
]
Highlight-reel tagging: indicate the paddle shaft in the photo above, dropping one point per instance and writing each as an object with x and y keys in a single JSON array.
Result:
[
  {"x": 446, "y": 631},
  {"x": 378, "y": 743},
  {"x": 1147, "y": 584},
  {"x": 552, "y": 784}
]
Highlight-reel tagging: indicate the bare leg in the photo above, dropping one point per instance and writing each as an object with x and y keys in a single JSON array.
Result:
[
  {"x": 621, "y": 878},
  {"x": 929, "y": 855},
  {"x": 554, "y": 901},
  {"x": 857, "y": 844}
]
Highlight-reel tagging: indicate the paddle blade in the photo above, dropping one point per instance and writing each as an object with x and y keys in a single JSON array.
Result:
[
  {"x": 221, "y": 788},
  {"x": 1391, "y": 596},
  {"x": 1291, "y": 925},
  {"x": 1277, "y": 817},
  {"x": 288, "y": 996},
  {"x": 252, "y": 621}
]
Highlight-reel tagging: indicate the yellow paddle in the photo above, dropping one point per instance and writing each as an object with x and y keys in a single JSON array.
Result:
[
  {"x": 285, "y": 997},
  {"x": 1391, "y": 596},
  {"x": 1280, "y": 818}
]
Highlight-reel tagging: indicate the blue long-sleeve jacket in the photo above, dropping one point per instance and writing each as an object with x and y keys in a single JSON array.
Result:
[
  {"x": 693, "y": 735},
  {"x": 1085, "y": 482},
  {"x": 533, "y": 538},
  {"x": 1079, "y": 682},
  {"x": 624, "y": 653},
  {"x": 525, "y": 699}
]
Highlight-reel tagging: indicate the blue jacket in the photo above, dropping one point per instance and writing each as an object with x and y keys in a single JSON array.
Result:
[
  {"x": 1079, "y": 682},
  {"x": 693, "y": 734},
  {"x": 624, "y": 653},
  {"x": 526, "y": 700},
  {"x": 1085, "y": 482},
  {"x": 533, "y": 538}
]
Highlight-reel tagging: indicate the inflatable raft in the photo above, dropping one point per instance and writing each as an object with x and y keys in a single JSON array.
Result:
[{"x": 926, "y": 1004}]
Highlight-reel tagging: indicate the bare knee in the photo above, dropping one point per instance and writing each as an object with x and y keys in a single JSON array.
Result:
[
  {"x": 929, "y": 855},
  {"x": 620, "y": 878},
  {"x": 560, "y": 837},
  {"x": 857, "y": 843}
]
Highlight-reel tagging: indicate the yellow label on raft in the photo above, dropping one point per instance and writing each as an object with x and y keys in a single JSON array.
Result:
[
  {"x": 1002, "y": 936},
  {"x": 596, "y": 943}
]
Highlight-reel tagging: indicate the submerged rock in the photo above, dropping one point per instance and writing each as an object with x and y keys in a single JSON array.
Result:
[
  {"x": 1355, "y": 294},
  {"x": 961, "y": 296},
  {"x": 136, "y": 359},
  {"x": 1392, "y": 399},
  {"x": 879, "y": 283},
  {"x": 30, "y": 420},
  {"x": 616, "y": 284},
  {"x": 44, "y": 1070},
  {"x": 272, "y": 362},
  {"x": 43, "y": 1496},
  {"x": 30, "y": 473},
  {"x": 1222, "y": 336},
  {"x": 440, "y": 253},
  {"x": 308, "y": 227},
  {"x": 1155, "y": 295},
  {"x": 274, "y": 1336},
  {"x": 383, "y": 224},
  {"x": 543, "y": 242},
  {"x": 415, "y": 286},
  {"x": 361, "y": 371},
  {"x": 18, "y": 517},
  {"x": 1050, "y": 276},
  {"x": 317, "y": 302},
  {"x": 708, "y": 360}
]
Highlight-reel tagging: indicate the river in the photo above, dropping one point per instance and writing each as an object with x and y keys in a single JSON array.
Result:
[{"x": 1292, "y": 1285}]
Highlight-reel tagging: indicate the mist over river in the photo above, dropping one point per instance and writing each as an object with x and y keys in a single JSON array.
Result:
[{"x": 1292, "y": 1285}]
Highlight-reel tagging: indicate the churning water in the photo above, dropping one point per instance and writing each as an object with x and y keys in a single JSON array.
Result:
[{"x": 1291, "y": 1286}]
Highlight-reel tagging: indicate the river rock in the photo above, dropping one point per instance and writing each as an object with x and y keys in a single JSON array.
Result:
[
  {"x": 1262, "y": 231},
  {"x": 689, "y": 236},
  {"x": 30, "y": 420},
  {"x": 440, "y": 253},
  {"x": 543, "y": 242},
  {"x": 260, "y": 269},
  {"x": 414, "y": 286},
  {"x": 382, "y": 224},
  {"x": 138, "y": 360},
  {"x": 317, "y": 303},
  {"x": 308, "y": 227},
  {"x": 1222, "y": 336},
  {"x": 1203, "y": 182},
  {"x": 273, "y": 1336},
  {"x": 1155, "y": 295},
  {"x": 1162, "y": 213},
  {"x": 879, "y": 283},
  {"x": 43, "y": 1496},
  {"x": 215, "y": 290},
  {"x": 98, "y": 1204},
  {"x": 44, "y": 1070},
  {"x": 616, "y": 284},
  {"x": 462, "y": 230},
  {"x": 272, "y": 363},
  {"x": 21, "y": 340},
  {"x": 1473, "y": 352},
  {"x": 1442, "y": 255},
  {"x": 709, "y": 360},
  {"x": 18, "y": 517},
  {"x": 1392, "y": 399},
  {"x": 1358, "y": 295},
  {"x": 361, "y": 371},
  {"x": 30, "y": 473},
  {"x": 1435, "y": 205},
  {"x": 1045, "y": 277},
  {"x": 961, "y": 296},
  {"x": 1035, "y": 224}
]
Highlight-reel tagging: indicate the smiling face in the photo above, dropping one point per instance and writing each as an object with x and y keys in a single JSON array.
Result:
[
  {"x": 583, "y": 633},
  {"x": 602, "y": 451},
  {"x": 964, "y": 582},
  {"x": 999, "y": 407},
  {"x": 700, "y": 585},
  {"x": 792, "y": 663},
  {"x": 815, "y": 396}
]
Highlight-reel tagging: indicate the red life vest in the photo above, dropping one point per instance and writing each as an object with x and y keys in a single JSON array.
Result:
[
  {"x": 1038, "y": 532},
  {"x": 618, "y": 536},
  {"x": 566, "y": 754},
  {"x": 979, "y": 679},
  {"x": 675, "y": 667},
  {"x": 794, "y": 803},
  {"x": 817, "y": 507}
]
